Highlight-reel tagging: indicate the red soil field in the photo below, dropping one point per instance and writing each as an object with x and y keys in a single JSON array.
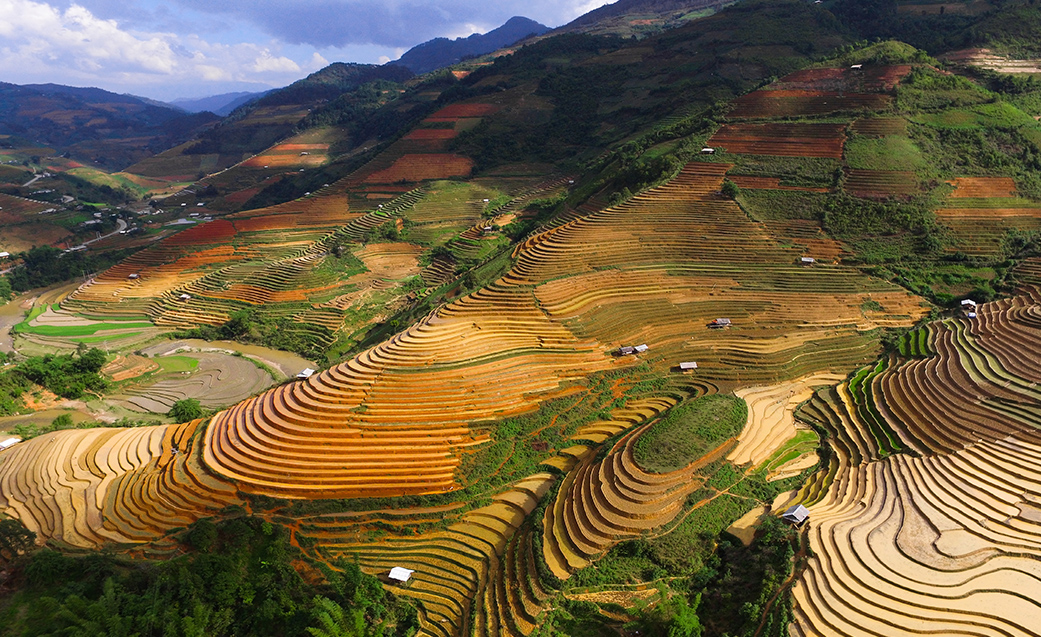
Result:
[
  {"x": 423, "y": 167},
  {"x": 765, "y": 104},
  {"x": 983, "y": 187},
  {"x": 432, "y": 133},
  {"x": 870, "y": 78},
  {"x": 782, "y": 140},
  {"x": 464, "y": 110},
  {"x": 218, "y": 231}
]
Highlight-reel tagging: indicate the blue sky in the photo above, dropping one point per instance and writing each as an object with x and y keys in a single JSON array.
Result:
[{"x": 166, "y": 49}]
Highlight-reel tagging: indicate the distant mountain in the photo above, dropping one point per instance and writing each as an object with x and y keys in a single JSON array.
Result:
[
  {"x": 222, "y": 104},
  {"x": 441, "y": 52},
  {"x": 638, "y": 17},
  {"x": 94, "y": 125}
]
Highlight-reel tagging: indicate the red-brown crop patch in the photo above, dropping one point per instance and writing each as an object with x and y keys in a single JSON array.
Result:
[
  {"x": 456, "y": 111},
  {"x": 782, "y": 140},
  {"x": 423, "y": 167},
  {"x": 217, "y": 231},
  {"x": 983, "y": 187},
  {"x": 432, "y": 134},
  {"x": 869, "y": 78},
  {"x": 764, "y": 104}
]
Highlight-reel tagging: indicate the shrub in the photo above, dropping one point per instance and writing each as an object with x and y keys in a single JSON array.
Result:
[{"x": 185, "y": 410}]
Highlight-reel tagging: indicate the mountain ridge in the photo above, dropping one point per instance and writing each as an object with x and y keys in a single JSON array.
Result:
[{"x": 441, "y": 52}]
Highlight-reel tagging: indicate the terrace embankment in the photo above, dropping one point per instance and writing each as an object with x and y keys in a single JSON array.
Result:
[{"x": 943, "y": 540}]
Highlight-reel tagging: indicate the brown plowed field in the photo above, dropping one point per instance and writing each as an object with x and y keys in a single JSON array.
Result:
[
  {"x": 423, "y": 167},
  {"x": 983, "y": 187},
  {"x": 782, "y": 140}
]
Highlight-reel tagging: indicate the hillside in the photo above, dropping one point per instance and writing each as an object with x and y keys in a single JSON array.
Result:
[
  {"x": 441, "y": 52},
  {"x": 640, "y": 17},
  {"x": 586, "y": 321},
  {"x": 92, "y": 125}
]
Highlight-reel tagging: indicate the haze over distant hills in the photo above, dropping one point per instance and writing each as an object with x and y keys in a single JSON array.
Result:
[
  {"x": 441, "y": 52},
  {"x": 218, "y": 104}
]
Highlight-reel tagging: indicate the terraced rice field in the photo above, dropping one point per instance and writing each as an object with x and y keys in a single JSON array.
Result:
[
  {"x": 945, "y": 542},
  {"x": 218, "y": 380},
  {"x": 92, "y": 487},
  {"x": 398, "y": 418},
  {"x": 260, "y": 257},
  {"x": 782, "y": 140},
  {"x": 981, "y": 210}
]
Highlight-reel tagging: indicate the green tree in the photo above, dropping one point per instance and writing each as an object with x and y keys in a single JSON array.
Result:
[
  {"x": 334, "y": 621},
  {"x": 185, "y": 410},
  {"x": 15, "y": 539},
  {"x": 730, "y": 189}
]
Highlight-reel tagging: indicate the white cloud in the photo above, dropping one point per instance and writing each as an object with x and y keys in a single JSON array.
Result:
[
  {"x": 267, "y": 62},
  {"x": 41, "y": 43}
]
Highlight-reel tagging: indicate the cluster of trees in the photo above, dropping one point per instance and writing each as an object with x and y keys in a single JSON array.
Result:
[
  {"x": 250, "y": 326},
  {"x": 45, "y": 265},
  {"x": 67, "y": 375},
  {"x": 237, "y": 578}
]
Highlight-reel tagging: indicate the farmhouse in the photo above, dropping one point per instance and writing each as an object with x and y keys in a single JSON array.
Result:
[
  {"x": 399, "y": 574},
  {"x": 720, "y": 323},
  {"x": 688, "y": 365},
  {"x": 10, "y": 442},
  {"x": 134, "y": 276},
  {"x": 626, "y": 350},
  {"x": 807, "y": 260},
  {"x": 641, "y": 348},
  {"x": 856, "y": 67},
  {"x": 307, "y": 373},
  {"x": 708, "y": 151},
  {"x": 5, "y": 255},
  {"x": 968, "y": 303},
  {"x": 796, "y": 514},
  {"x": 185, "y": 297}
]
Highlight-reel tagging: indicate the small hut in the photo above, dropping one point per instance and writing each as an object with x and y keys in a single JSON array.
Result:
[
  {"x": 720, "y": 323},
  {"x": 689, "y": 365},
  {"x": 305, "y": 374},
  {"x": 10, "y": 442},
  {"x": 399, "y": 574},
  {"x": 796, "y": 515}
]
